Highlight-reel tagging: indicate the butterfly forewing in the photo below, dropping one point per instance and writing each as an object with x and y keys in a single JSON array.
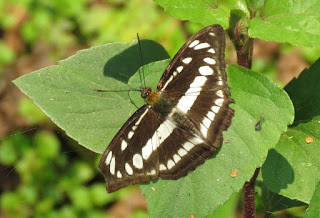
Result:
[{"x": 182, "y": 123}]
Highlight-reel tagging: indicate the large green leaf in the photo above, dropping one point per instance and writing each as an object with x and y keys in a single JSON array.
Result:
[
  {"x": 211, "y": 185},
  {"x": 204, "y": 12},
  {"x": 293, "y": 168},
  {"x": 296, "y": 22},
  {"x": 65, "y": 92},
  {"x": 314, "y": 207}
]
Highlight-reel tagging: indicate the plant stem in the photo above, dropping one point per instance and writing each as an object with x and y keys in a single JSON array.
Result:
[
  {"x": 244, "y": 48},
  {"x": 249, "y": 195}
]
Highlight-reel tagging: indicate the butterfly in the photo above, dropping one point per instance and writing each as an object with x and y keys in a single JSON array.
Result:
[{"x": 181, "y": 124}]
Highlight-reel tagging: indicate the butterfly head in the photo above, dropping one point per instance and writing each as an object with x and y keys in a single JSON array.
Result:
[
  {"x": 145, "y": 91},
  {"x": 150, "y": 95}
]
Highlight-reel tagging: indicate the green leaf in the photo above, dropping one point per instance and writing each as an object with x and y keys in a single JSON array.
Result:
[
  {"x": 314, "y": 207},
  {"x": 210, "y": 185},
  {"x": 295, "y": 22},
  {"x": 227, "y": 209},
  {"x": 273, "y": 201},
  {"x": 305, "y": 93},
  {"x": 204, "y": 12},
  {"x": 293, "y": 168},
  {"x": 66, "y": 92}
]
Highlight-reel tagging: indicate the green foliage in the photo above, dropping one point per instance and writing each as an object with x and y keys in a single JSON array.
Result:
[
  {"x": 290, "y": 166},
  {"x": 192, "y": 186},
  {"x": 287, "y": 21},
  {"x": 273, "y": 201},
  {"x": 289, "y": 169},
  {"x": 314, "y": 209},
  {"x": 49, "y": 177},
  {"x": 205, "y": 12}
]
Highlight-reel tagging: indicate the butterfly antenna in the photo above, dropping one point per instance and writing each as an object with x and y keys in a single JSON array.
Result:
[
  {"x": 141, "y": 59},
  {"x": 127, "y": 90}
]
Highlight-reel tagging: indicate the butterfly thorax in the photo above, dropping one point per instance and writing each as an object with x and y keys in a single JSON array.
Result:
[
  {"x": 164, "y": 105},
  {"x": 160, "y": 102}
]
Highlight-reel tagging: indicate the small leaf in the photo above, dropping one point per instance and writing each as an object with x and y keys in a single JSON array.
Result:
[
  {"x": 295, "y": 22},
  {"x": 210, "y": 185}
]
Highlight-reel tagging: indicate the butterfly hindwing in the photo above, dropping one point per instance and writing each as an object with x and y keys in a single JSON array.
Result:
[{"x": 122, "y": 163}]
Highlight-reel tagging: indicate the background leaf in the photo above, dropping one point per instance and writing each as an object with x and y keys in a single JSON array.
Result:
[
  {"x": 293, "y": 168},
  {"x": 65, "y": 92},
  {"x": 273, "y": 201},
  {"x": 210, "y": 185},
  {"x": 295, "y": 22},
  {"x": 204, "y": 12},
  {"x": 314, "y": 207}
]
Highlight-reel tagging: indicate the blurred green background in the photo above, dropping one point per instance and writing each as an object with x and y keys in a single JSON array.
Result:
[{"x": 43, "y": 172}]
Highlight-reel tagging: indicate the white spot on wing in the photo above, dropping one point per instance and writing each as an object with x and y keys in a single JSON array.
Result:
[
  {"x": 188, "y": 145},
  {"x": 124, "y": 145},
  {"x": 203, "y": 130},
  {"x": 165, "y": 129},
  {"x": 182, "y": 152},
  {"x": 187, "y": 60},
  {"x": 211, "y": 115},
  {"x": 219, "y": 102},
  {"x": 186, "y": 102},
  {"x": 198, "y": 81},
  {"x": 220, "y": 93},
  {"x": 220, "y": 83},
  {"x": 170, "y": 164},
  {"x": 202, "y": 46},
  {"x": 137, "y": 161},
  {"x": 147, "y": 149},
  {"x": 212, "y": 34},
  {"x": 209, "y": 60},
  {"x": 211, "y": 50},
  {"x": 131, "y": 133},
  {"x": 196, "y": 140},
  {"x": 119, "y": 175},
  {"x": 193, "y": 91},
  {"x": 205, "y": 70},
  {"x": 176, "y": 158},
  {"x": 179, "y": 69},
  {"x": 155, "y": 142},
  {"x": 167, "y": 83},
  {"x": 153, "y": 172},
  {"x": 206, "y": 122},
  {"x": 128, "y": 169},
  {"x": 140, "y": 118},
  {"x": 113, "y": 165},
  {"x": 108, "y": 159},
  {"x": 194, "y": 43},
  {"x": 215, "y": 109},
  {"x": 162, "y": 167}
]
